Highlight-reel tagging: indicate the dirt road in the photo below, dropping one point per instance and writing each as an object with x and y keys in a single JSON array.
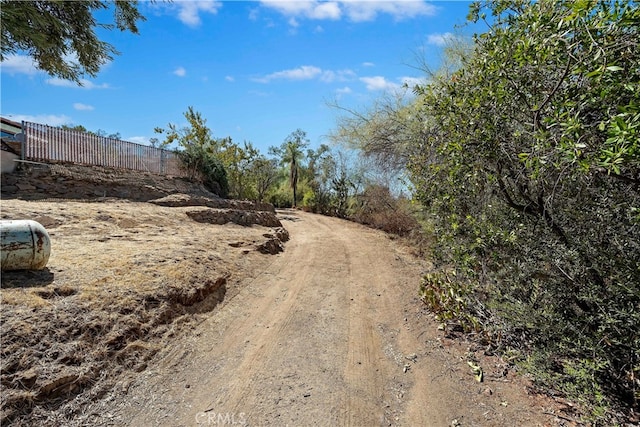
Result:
[{"x": 331, "y": 333}]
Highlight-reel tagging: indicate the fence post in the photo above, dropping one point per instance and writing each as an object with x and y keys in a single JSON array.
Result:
[{"x": 23, "y": 142}]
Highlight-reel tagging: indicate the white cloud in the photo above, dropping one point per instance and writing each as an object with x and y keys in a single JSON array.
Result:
[
  {"x": 379, "y": 83},
  {"x": 305, "y": 9},
  {"x": 45, "y": 119},
  {"x": 368, "y": 64},
  {"x": 376, "y": 83},
  {"x": 354, "y": 10},
  {"x": 309, "y": 72},
  {"x": 83, "y": 107},
  {"x": 305, "y": 72},
  {"x": 23, "y": 64},
  {"x": 343, "y": 91},
  {"x": 439, "y": 39},
  {"x": 19, "y": 64},
  {"x": 138, "y": 140},
  {"x": 189, "y": 11},
  {"x": 328, "y": 10},
  {"x": 230, "y": 79},
  {"x": 180, "y": 72},
  {"x": 329, "y": 76},
  {"x": 84, "y": 84},
  {"x": 359, "y": 11}
]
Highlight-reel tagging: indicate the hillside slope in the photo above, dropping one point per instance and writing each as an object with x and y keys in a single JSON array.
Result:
[{"x": 123, "y": 276}]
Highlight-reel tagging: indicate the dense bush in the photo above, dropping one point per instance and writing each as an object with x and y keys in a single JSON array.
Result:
[
  {"x": 377, "y": 208},
  {"x": 530, "y": 172},
  {"x": 199, "y": 151},
  {"x": 207, "y": 167}
]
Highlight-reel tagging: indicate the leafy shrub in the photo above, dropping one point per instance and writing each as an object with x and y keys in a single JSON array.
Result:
[
  {"x": 280, "y": 196},
  {"x": 449, "y": 300},
  {"x": 206, "y": 165},
  {"x": 530, "y": 174}
]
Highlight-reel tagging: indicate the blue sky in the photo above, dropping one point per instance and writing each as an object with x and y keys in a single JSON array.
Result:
[{"x": 256, "y": 71}]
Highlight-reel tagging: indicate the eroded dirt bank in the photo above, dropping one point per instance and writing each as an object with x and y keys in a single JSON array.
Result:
[{"x": 123, "y": 280}]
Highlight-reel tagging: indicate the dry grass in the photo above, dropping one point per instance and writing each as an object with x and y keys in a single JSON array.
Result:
[{"x": 123, "y": 277}]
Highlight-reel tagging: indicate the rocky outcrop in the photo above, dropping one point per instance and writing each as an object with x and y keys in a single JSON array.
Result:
[
  {"x": 185, "y": 200},
  {"x": 224, "y": 216}
]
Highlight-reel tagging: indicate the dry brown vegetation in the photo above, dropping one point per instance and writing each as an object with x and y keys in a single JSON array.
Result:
[{"x": 123, "y": 277}]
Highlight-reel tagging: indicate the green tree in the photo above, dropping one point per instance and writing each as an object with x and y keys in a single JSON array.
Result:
[
  {"x": 199, "y": 151},
  {"x": 345, "y": 183},
  {"x": 387, "y": 132},
  {"x": 265, "y": 175},
  {"x": 318, "y": 173},
  {"x": 60, "y": 35},
  {"x": 77, "y": 128},
  {"x": 238, "y": 161},
  {"x": 291, "y": 152}
]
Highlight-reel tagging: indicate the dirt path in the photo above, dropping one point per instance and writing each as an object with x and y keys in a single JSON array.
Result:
[{"x": 331, "y": 333}]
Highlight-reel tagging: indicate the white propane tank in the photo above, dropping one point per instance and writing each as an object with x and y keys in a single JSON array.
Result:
[{"x": 24, "y": 245}]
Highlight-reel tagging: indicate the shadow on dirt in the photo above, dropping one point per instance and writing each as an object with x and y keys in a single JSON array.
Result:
[{"x": 27, "y": 278}]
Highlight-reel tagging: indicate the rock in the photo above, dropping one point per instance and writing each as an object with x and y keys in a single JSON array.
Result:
[
  {"x": 8, "y": 179},
  {"x": 25, "y": 186},
  {"x": 245, "y": 218},
  {"x": 270, "y": 247},
  {"x": 282, "y": 234},
  {"x": 412, "y": 357},
  {"x": 10, "y": 189}
]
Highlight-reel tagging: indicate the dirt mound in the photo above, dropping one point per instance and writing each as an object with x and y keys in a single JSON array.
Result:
[
  {"x": 123, "y": 278},
  {"x": 185, "y": 200}
]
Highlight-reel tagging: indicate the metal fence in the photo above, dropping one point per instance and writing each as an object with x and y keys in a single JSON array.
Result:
[{"x": 50, "y": 144}]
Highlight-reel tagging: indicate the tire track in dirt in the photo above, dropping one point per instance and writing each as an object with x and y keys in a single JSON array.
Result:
[
  {"x": 365, "y": 368},
  {"x": 273, "y": 342},
  {"x": 293, "y": 383},
  {"x": 320, "y": 338}
]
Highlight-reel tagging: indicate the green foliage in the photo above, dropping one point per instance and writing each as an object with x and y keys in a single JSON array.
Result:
[
  {"x": 238, "y": 162},
  {"x": 264, "y": 173},
  {"x": 199, "y": 151},
  {"x": 199, "y": 160},
  {"x": 387, "y": 133},
  {"x": 51, "y": 32},
  {"x": 280, "y": 196},
  {"x": 448, "y": 298},
  {"x": 291, "y": 153},
  {"x": 529, "y": 170}
]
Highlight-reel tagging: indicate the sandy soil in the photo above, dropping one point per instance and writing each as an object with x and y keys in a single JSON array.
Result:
[
  {"x": 123, "y": 280},
  {"x": 329, "y": 332}
]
